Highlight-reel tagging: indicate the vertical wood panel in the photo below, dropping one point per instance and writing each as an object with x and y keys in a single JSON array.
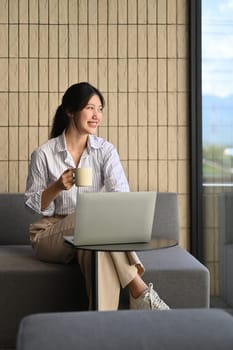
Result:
[
  {"x": 4, "y": 40},
  {"x": 3, "y": 143},
  {"x": 4, "y": 103},
  {"x": 112, "y": 75},
  {"x": 122, "y": 41},
  {"x": 142, "y": 75},
  {"x": 3, "y": 74},
  {"x": 4, "y": 175},
  {"x": 102, "y": 11},
  {"x": 43, "y": 11},
  {"x": 123, "y": 109},
  {"x": 142, "y": 11},
  {"x": 13, "y": 74},
  {"x": 112, "y": 109},
  {"x": 92, "y": 41},
  {"x": 43, "y": 41},
  {"x": 13, "y": 109},
  {"x": 123, "y": 143},
  {"x": 162, "y": 143},
  {"x": 132, "y": 41},
  {"x": 132, "y": 108},
  {"x": 142, "y": 175},
  {"x": 23, "y": 143},
  {"x": 142, "y": 40},
  {"x": 142, "y": 143},
  {"x": 63, "y": 11},
  {"x": 172, "y": 176},
  {"x": 33, "y": 108},
  {"x": 53, "y": 11},
  {"x": 171, "y": 41},
  {"x": 162, "y": 41},
  {"x": 63, "y": 41},
  {"x": 112, "y": 11},
  {"x": 153, "y": 175},
  {"x": 162, "y": 176},
  {"x": 152, "y": 41},
  {"x": 112, "y": 41},
  {"x": 142, "y": 108},
  {"x": 13, "y": 177},
  {"x": 122, "y": 75},
  {"x": 82, "y": 13},
  {"x": 23, "y": 108},
  {"x": 53, "y": 41}
]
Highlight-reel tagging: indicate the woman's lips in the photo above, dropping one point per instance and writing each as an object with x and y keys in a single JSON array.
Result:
[{"x": 93, "y": 124}]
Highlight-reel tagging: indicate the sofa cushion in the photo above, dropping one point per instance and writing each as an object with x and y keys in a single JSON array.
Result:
[{"x": 131, "y": 329}]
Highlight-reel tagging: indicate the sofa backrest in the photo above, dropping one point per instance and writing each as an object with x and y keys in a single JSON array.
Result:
[
  {"x": 15, "y": 218},
  {"x": 225, "y": 218},
  {"x": 166, "y": 220}
]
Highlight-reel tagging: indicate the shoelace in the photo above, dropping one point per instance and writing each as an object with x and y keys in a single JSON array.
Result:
[{"x": 152, "y": 297}]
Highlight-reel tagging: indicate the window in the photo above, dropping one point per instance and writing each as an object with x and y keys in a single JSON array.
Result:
[
  {"x": 217, "y": 92},
  {"x": 211, "y": 124}
]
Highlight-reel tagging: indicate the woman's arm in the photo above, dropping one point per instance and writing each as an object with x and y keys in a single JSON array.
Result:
[
  {"x": 41, "y": 190},
  {"x": 64, "y": 183},
  {"x": 114, "y": 175}
]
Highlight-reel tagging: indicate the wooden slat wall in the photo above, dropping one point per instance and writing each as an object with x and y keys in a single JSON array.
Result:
[{"x": 134, "y": 51}]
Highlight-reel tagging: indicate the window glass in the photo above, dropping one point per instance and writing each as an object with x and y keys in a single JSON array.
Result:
[
  {"x": 217, "y": 91},
  {"x": 217, "y": 143}
]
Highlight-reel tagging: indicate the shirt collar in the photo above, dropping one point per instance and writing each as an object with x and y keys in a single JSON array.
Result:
[
  {"x": 93, "y": 142},
  {"x": 61, "y": 143}
]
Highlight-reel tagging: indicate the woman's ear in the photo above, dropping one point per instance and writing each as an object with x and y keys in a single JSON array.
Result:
[{"x": 69, "y": 114}]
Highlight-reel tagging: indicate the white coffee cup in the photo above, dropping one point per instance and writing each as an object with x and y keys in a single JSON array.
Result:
[{"x": 83, "y": 177}]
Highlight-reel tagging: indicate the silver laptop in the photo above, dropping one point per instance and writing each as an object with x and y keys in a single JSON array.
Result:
[{"x": 113, "y": 218}]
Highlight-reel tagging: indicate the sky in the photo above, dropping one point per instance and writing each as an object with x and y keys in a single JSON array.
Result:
[{"x": 217, "y": 48}]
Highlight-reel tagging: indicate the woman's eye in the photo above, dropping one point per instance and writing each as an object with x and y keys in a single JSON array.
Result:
[{"x": 99, "y": 110}]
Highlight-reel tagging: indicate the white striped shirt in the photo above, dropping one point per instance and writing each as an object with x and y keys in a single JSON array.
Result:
[{"x": 52, "y": 158}]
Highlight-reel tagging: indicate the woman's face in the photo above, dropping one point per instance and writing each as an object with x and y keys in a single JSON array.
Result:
[{"x": 88, "y": 119}]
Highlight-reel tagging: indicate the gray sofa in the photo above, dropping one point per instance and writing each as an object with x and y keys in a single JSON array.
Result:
[
  {"x": 179, "y": 329},
  {"x": 29, "y": 286},
  {"x": 225, "y": 224}
]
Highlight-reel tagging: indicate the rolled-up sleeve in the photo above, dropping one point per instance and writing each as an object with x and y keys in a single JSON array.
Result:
[
  {"x": 37, "y": 182},
  {"x": 114, "y": 175}
]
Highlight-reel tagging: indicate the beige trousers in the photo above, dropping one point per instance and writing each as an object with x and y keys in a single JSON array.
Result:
[{"x": 115, "y": 269}]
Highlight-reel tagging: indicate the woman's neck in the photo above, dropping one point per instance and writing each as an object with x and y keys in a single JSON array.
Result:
[{"x": 76, "y": 144}]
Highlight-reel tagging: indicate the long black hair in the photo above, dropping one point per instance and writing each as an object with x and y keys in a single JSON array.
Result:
[{"x": 74, "y": 100}]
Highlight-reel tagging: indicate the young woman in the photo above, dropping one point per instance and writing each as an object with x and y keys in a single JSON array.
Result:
[{"x": 51, "y": 192}]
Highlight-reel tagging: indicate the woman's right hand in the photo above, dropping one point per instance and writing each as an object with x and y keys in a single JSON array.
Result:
[
  {"x": 65, "y": 182},
  {"x": 67, "y": 179}
]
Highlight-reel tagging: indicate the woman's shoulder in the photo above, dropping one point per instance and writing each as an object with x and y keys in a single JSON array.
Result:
[{"x": 47, "y": 147}]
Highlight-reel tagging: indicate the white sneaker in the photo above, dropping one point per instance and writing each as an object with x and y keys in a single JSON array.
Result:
[{"x": 149, "y": 299}]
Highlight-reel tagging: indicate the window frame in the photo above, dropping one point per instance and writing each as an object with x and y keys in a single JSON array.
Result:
[{"x": 195, "y": 119}]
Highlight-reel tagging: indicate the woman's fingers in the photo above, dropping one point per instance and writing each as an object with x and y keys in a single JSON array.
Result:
[{"x": 67, "y": 178}]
